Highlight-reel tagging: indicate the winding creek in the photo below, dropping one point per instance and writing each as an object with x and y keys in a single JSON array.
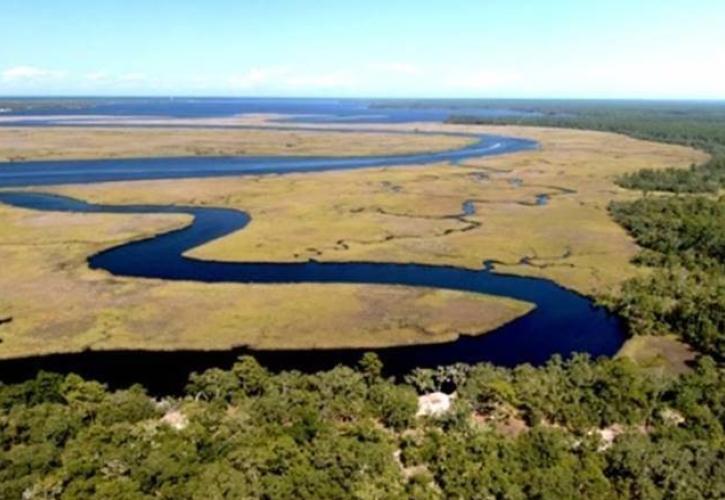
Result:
[{"x": 562, "y": 322}]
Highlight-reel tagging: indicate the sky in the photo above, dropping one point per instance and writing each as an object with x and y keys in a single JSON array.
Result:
[{"x": 355, "y": 48}]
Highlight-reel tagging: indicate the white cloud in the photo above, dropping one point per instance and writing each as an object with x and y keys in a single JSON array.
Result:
[
  {"x": 29, "y": 74},
  {"x": 658, "y": 78},
  {"x": 661, "y": 76}
]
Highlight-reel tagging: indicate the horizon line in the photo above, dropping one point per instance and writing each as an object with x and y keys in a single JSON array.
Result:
[{"x": 333, "y": 97}]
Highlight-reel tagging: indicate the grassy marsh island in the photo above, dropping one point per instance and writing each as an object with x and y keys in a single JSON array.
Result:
[{"x": 19, "y": 144}]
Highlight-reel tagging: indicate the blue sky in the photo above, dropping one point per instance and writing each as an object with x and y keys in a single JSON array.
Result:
[{"x": 393, "y": 48}]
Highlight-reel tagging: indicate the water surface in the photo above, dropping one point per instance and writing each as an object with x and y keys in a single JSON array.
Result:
[{"x": 563, "y": 322}]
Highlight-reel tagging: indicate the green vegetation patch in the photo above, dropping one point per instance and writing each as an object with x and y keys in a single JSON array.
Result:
[
  {"x": 684, "y": 239},
  {"x": 706, "y": 178},
  {"x": 576, "y": 429}
]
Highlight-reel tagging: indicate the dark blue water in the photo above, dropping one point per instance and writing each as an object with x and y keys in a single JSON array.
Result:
[
  {"x": 562, "y": 323},
  {"x": 41, "y": 173},
  {"x": 307, "y": 110}
]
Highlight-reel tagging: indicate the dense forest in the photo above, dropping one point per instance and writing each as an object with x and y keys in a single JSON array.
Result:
[
  {"x": 706, "y": 178},
  {"x": 570, "y": 429},
  {"x": 683, "y": 240},
  {"x": 576, "y": 428},
  {"x": 697, "y": 124}
]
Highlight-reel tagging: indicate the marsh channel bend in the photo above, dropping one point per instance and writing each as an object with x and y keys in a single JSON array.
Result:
[{"x": 563, "y": 322}]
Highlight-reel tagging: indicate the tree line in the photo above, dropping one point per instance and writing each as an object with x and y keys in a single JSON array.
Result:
[{"x": 347, "y": 433}]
